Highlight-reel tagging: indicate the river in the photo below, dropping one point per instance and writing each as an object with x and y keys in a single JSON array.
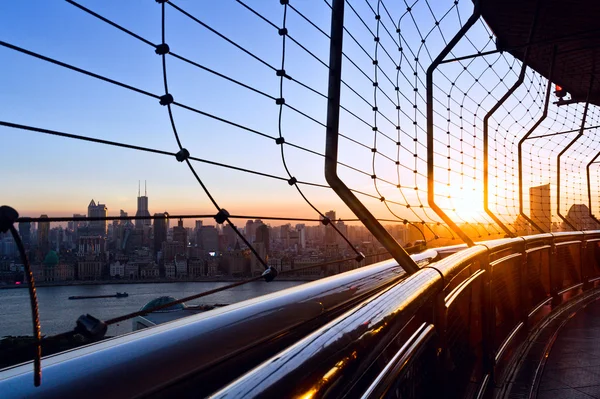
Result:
[{"x": 59, "y": 314}]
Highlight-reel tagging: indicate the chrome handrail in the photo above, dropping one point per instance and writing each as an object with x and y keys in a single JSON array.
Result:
[{"x": 201, "y": 342}]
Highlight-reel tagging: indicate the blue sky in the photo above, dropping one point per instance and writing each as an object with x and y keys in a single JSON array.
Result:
[{"x": 59, "y": 176}]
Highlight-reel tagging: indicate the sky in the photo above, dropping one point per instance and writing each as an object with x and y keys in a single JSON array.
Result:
[{"x": 59, "y": 176}]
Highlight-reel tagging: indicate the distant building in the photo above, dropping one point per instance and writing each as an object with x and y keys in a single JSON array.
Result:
[
  {"x": 132, "y": 270},
  {"x": 301, "y": 229},
  {"x": 170, "y": 270},
  {"x": 87, "y": 244},
  {"x": 196, "y": 267},
  {"x": 263, "y": 236},
  {"x": 256, "y": 266},
  {"x": 210, "y": 239},
  {"x": 117, "y": 269},
  {"x": 230, "y": 236},
  {"x": 97, "y": 211},
  {"x": 579, "y": 216},
  {"x": 142, "y": 209},
  {"x": 89, "y": 267},
  {"x": 43, "y": 236},
  {"x": 250, "y": 230},
  {"x": 160, "y": 231},
  {"x": 170, "y": 249},
  {"x": 149, "y": 271},
  {"x": 180, "y": 233},
  {"x": 25, "y": 233},
  {"x": 181, "y": 266},
  {"x": 330, "y": 234},
  {"x": 539, "y": 207},
  {"x": 51, "y": 269}
]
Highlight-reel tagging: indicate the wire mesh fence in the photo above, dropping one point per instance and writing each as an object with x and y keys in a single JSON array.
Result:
[{"x": 238, "y": 92}]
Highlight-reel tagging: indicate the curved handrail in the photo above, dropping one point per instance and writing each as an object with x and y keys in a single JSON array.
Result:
[{"x": 383, "y": 310}]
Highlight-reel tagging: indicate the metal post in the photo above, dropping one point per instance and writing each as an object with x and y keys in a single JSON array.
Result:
[
  {"x": 331, "y": 146},
  {"x": 589, "y": 187},
  {"x": 430, "y": 132},
  {"x": 526, "y": 137},
  {"x": 583, "y": 118},
  {"x": 486, "y": 119}
]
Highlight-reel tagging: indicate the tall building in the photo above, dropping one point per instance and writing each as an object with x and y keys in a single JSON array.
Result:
[
  {"x": 330, "y": 235},
  {"x": 78, "y": 223},
  {"x": 539, "y": 206},
  {"x": 210, "y": 238},
  {"x": 230, "y": 236},
  {"x": 160, "y": 231},
  {"x": 180, "y": 233},
  {"x": 142, "y": 209},
  {"x": 301, "y": 228},
  {"x": 25, "y": 233},
  {"x": 250, "y": 230},
  {"x": 43, "y": 236},
  {"x": 97, "y": 211},
  {"x": 123, "y": 214},
  {"x": 263, "y": 236}
]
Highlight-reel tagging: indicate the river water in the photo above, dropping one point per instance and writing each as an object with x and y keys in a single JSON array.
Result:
[{"x": 59, "y": 314}]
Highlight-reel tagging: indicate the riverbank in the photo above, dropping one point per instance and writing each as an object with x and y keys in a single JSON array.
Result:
[{"x": 148, "y": 281}]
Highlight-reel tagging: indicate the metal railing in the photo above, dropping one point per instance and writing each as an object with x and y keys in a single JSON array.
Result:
[{"x": 453, "y": 327}]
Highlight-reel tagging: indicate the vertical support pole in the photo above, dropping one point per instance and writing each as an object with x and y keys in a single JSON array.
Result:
[
  {"x": 430, "y": 130},
  {"x": 331, "y": 145},
  {"x": 526, "y": 137},
  {"x": 491, "y": 112},
  {"x": 589, "y": 187},
  {"x": 486, "y": 120},
  {"x": 583, "y": 118}
]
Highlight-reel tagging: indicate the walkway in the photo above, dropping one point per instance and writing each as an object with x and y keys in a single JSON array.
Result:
[{"x": 573, "y": 367}]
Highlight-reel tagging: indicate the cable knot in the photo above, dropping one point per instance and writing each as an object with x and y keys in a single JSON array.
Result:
[
  {"x": 182, "y": 155},
  {"x": 166, "y": 99},
  {"x": 325, "y": 221},
  {"x": 279, "y": 140},
  {"x": 161, "y": 1},
  {"x": 280, "y": 101},
  {"x": 284, "y": 2},
  {"x": 222, "y": 216},
  {"x": 162, "y": 49},
  {"x": 282, "y": 31},
  {"x": 269, "y": 274},
  {"x": 90, "y": 327},
  {"x": 360, "y": 257},
  {"x": 292, "y": 181},
  {"x": 8, "y": 216},
  {"x": 281, "y": 73}
]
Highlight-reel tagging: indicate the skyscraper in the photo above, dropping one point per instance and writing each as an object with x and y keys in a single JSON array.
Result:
[
  {"x": 25, "y": 233},
  {"x": 539, "y": 206},
  {"x": 142, "y": 209},
  {"x": 262, "y": 235},
  {"x": 43, "y": 238},
  {"x": 330, "y": 234},
  {"x": 97, "y": 211},
  {"x": 180, "y": 233},
  {"x": 160, "y": 231}
]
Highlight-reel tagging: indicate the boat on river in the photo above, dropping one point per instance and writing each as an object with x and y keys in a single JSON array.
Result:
[{"x": 117, "y": 295}]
